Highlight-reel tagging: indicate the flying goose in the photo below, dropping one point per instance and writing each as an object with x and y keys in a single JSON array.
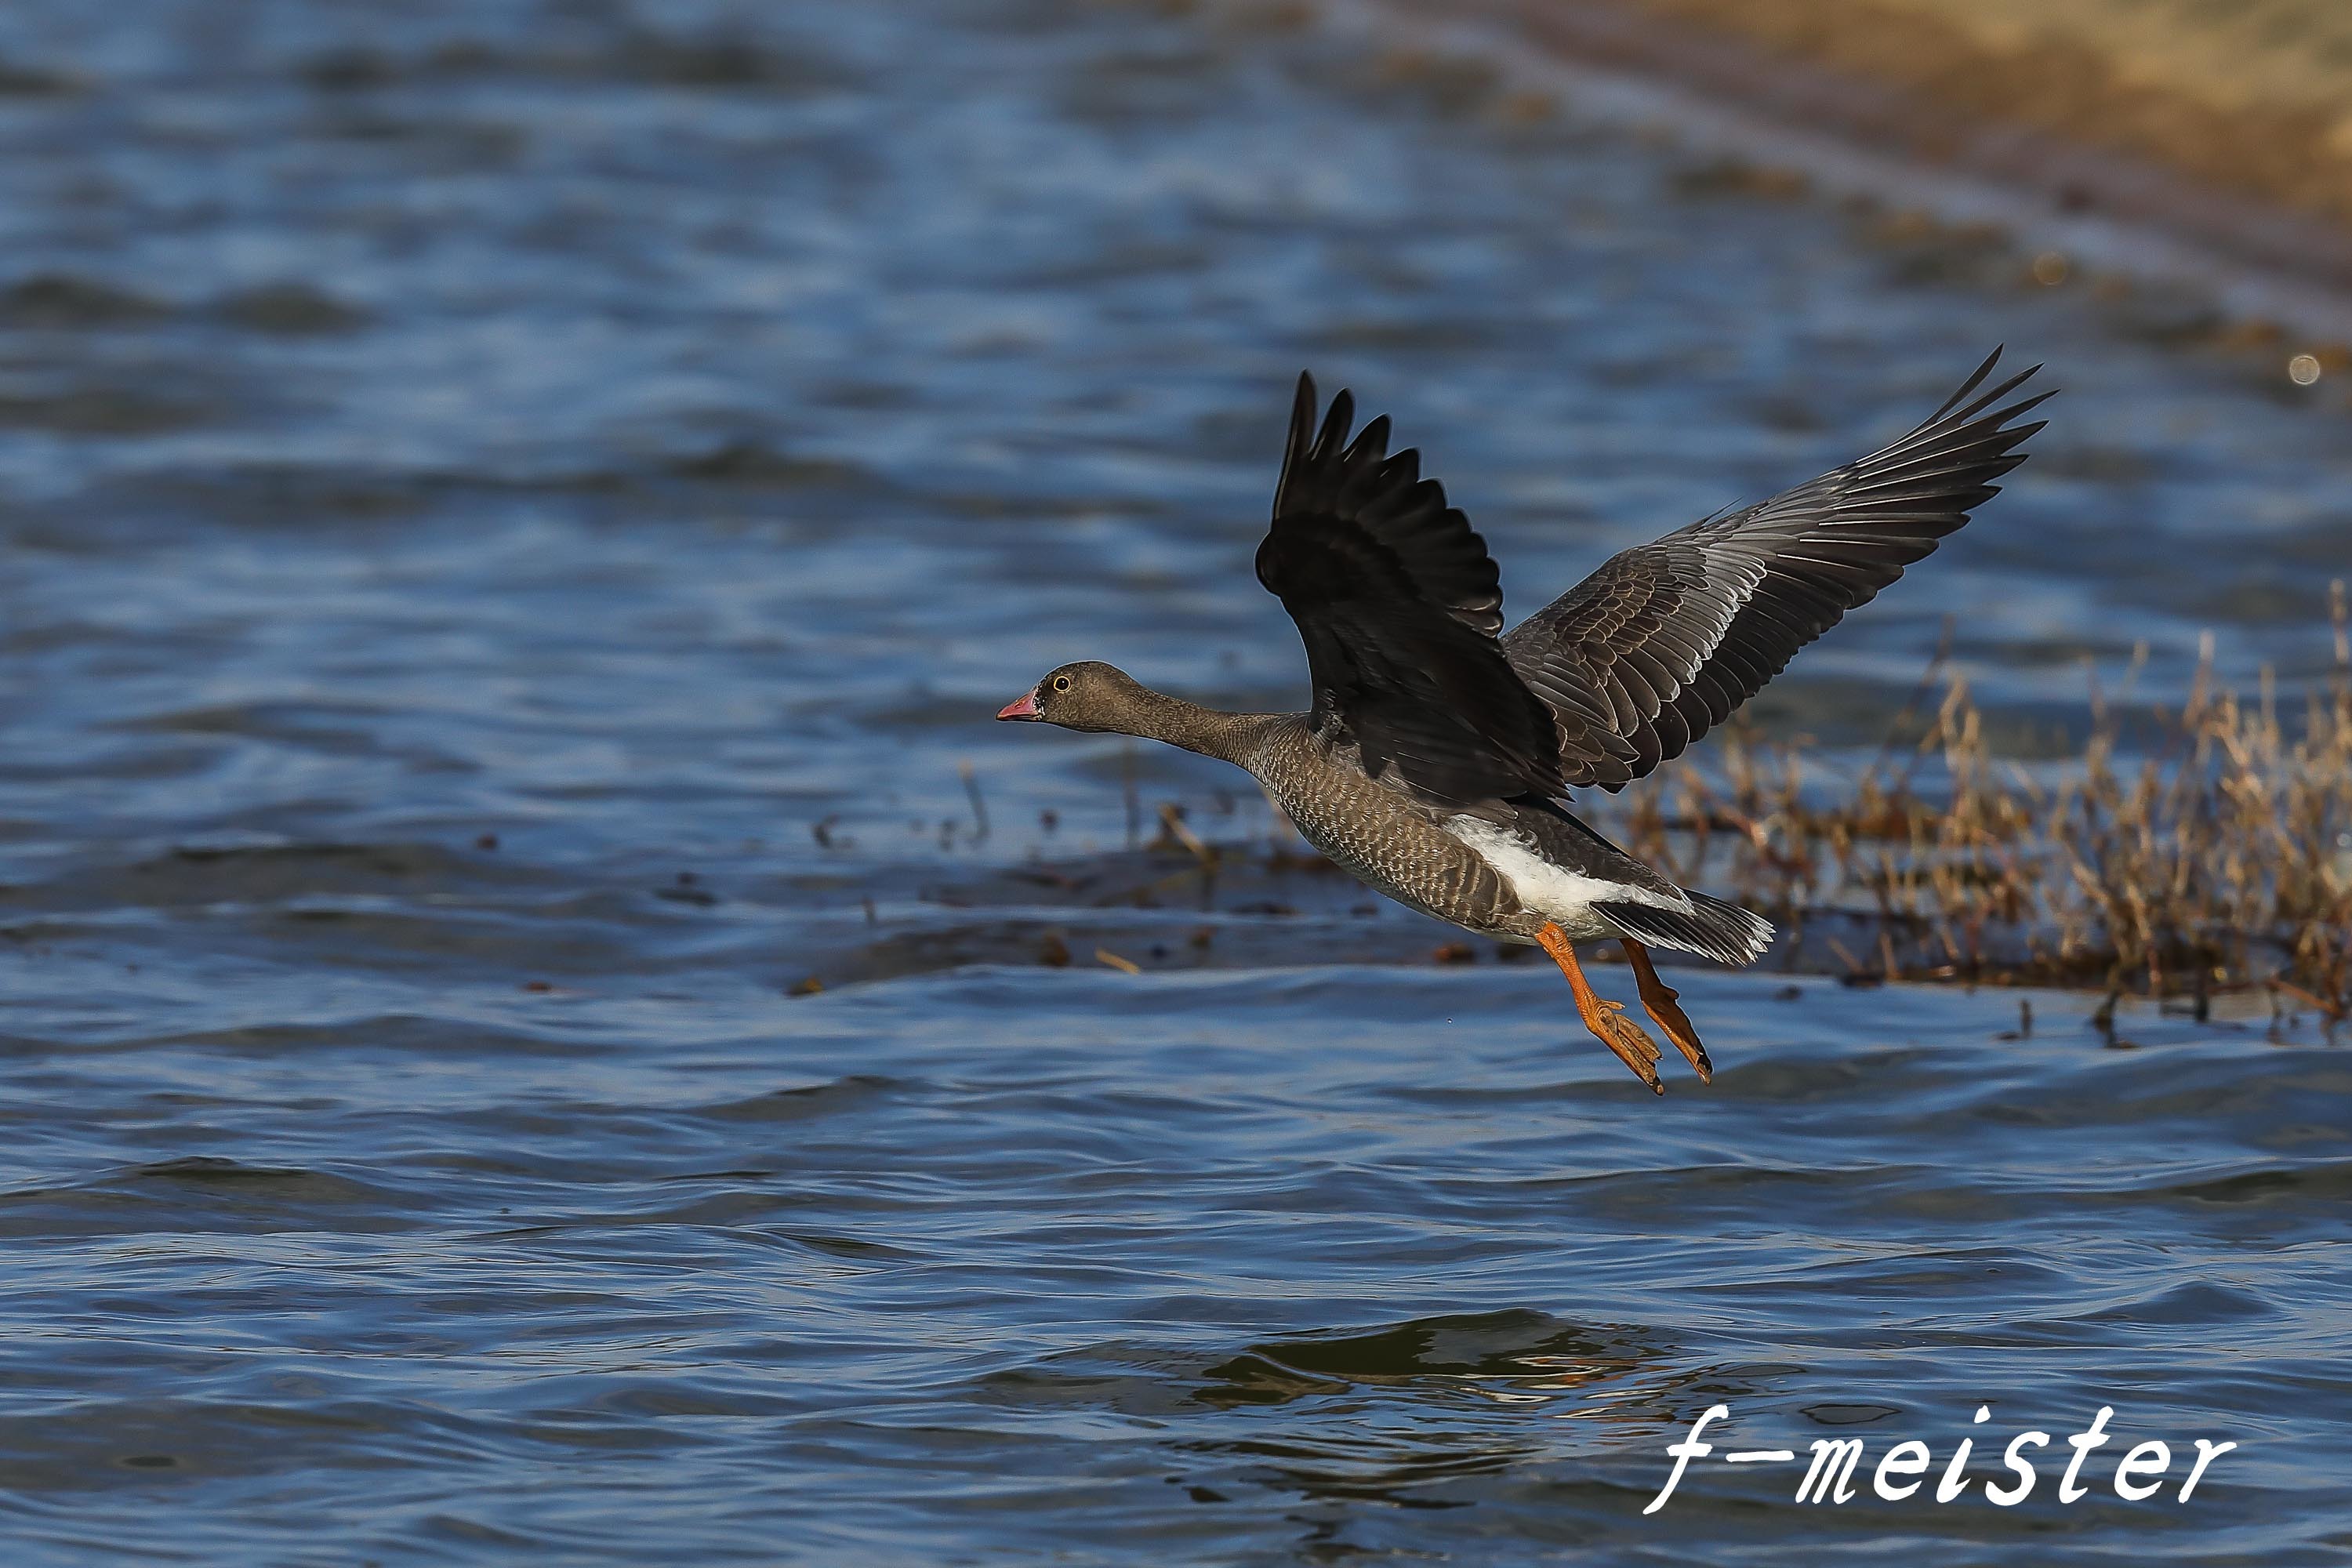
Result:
[{"x": 1438, "y": 757}]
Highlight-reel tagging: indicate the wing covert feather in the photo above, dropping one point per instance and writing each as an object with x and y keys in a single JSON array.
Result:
[{"x": 1667, "y": 639}]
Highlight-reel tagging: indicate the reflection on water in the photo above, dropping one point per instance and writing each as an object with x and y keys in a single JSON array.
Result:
[{"x": 515, "y": 514}]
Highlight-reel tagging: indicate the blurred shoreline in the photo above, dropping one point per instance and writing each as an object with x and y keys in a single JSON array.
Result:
[
  {"x": 2255, "y": 97},
  {"x": 2137, "y": 136}
]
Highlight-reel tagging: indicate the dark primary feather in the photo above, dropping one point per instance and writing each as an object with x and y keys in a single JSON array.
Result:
[
  {"x": 1666, "y": 639},
  {"x": 1398, "y": 603}
]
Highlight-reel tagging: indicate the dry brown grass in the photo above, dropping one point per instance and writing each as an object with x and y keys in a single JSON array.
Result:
[{"x": 2221, "y": 860}]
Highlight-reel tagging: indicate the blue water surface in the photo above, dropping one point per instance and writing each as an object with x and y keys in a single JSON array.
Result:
[{"x": 544, "y": 1023}]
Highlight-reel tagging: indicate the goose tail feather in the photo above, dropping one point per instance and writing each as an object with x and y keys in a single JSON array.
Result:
[{"x": 1711, "y": 927}]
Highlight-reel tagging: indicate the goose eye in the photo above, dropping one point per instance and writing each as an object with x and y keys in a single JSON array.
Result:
[{"x": 1061, "y": 683}]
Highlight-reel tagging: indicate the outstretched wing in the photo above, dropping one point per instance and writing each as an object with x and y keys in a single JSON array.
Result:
[
  {"x": 1666, "y": 639},
  {"x": 1398, "y": 603}
]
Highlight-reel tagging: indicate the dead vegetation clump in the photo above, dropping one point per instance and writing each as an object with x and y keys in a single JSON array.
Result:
[{"x": 2220, "y": 859}]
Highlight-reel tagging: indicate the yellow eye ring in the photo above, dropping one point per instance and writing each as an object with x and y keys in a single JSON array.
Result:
[{"x": 1061, "y": 683}]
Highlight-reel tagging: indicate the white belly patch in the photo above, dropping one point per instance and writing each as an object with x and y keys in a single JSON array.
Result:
[{"x": 1552, "y": 891}]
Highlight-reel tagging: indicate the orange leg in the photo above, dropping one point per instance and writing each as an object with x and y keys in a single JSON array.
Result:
[
  {"x": 1661, "y": 1000},
  {"x": 1605, "y": 1019}
]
